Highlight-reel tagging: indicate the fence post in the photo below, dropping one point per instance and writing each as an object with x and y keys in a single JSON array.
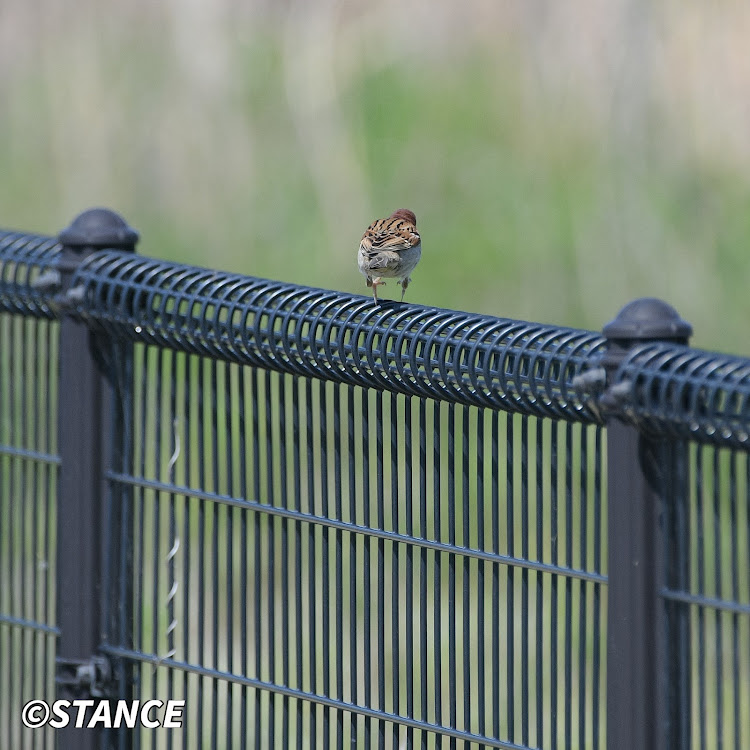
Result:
[
  {"x": 86, "y": 440},
  {"x": 640, "y": 712}
]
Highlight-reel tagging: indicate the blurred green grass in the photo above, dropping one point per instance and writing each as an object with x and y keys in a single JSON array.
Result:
[{"x": 558, "y": 167}]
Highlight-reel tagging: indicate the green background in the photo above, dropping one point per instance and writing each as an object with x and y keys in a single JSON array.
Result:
[{"x": 560, "y": 160}]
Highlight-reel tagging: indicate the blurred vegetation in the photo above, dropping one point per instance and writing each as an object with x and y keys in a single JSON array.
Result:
[{"x": 560, "y": 161}]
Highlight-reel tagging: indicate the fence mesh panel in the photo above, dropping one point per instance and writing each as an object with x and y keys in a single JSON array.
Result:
[
  {"x": 339, "y": 525},
  {"x": 708, "y": 595},
  {"x": 321, "y": 561},
  {"x": 28, "y": 474}
]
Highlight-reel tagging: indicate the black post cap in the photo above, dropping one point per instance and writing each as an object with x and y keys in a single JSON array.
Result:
[
  {"x": 648, "y": 319},
  {"x": 99, "y": 228}
]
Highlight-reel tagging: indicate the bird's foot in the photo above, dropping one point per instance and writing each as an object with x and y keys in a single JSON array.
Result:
[{"x": 375, "y": 284}]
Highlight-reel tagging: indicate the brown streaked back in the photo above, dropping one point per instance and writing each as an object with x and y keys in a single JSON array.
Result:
[{"x": 396, "y": 233}]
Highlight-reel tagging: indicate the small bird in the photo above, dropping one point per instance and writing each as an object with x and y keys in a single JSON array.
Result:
[{"x": 390, "y": 248}]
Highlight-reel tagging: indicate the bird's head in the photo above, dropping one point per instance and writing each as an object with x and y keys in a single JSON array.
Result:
[{"x": 406, "y": 214}]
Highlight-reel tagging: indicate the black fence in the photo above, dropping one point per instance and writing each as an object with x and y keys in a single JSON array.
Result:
[{"x": 326, "y": 523}]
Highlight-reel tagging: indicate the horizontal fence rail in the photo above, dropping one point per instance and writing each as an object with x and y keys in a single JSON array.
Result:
[
  {"x": 328, "y": 523},
  {"x": 417, "y": 350},
  {"x": 421, "y": 351},
  {"x": 24, "y": 257},
  {"x": 687, "y": 393}
]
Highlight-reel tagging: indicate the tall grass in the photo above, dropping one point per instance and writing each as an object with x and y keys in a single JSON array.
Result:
[{"x": 560, "y": 161}]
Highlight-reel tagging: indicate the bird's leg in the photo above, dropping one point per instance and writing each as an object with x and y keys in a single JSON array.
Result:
[
  {"x": 404, "y": 284},
  {"x": 375, "y": 284}
]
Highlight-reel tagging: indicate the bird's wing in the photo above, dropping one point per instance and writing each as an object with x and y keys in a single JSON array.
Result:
[{"x": 389, "y": 235}]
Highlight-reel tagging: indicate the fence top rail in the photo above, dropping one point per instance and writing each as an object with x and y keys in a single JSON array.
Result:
[
  {"x": 406, "y": 348},
  {"x": 686, "y": 393},
  {"x": 23, "y": 259},
  {"x": 412, "y": 349}
]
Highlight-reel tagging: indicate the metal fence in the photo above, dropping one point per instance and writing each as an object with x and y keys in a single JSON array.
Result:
[{"x": 325, "y": 523}]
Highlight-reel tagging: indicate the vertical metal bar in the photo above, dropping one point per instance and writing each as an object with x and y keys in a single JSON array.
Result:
[
  {"x": 21, "y": 395},
  {"x": 30, "y": 337},
  {"x": 15, "y": 537},
  {"x": 380, "y": 499},
  {"x": 6, "y": 464},
  {"x": 215, "y": 511},
  {"x": 395, "y": 567},
  {"x": 298, "y": 562},
  {"x": 89, "y": 367},
  {"x": 423, "y": 565},
  {"x": 525, "y": 580},
  {"x": 466, "y": 588},
  {"x": 495, "y": 616},
  {"x": 366, "y": 521},
  {"x": 141, "y": 407},
  {"x": 123, "y": 452},
  {"x": 14, "y": 461},
  {"x": 311, "y": 567},
  {"x": 28, "y": 530},
  {"x": 119, "y": 535},
  {"x": 640, "y": 660},
  {"x": 200, "y": 366},
  {"x": 539, "y": 581},
  {"x": 510, "y": 647},
  {"x": 257, "y": 568},
  {"x": 718, "y": 636},
  {"x": 438, "y": 578},
  {"x": 701, "y": 576},
  {"x": 325, "y": 568},
  {"x": 554, "y": 594},
  {"x": 481, "y": 568},
  {"x": 353, "y": 571},
  {"x": 338, "y": 418},
  {"x": 735, "y": 569},
  {"x": 34, "y": 470},
  {"x": 636, "y": 616},
  {"x": 596, "y": 687},
  {"x": 187, "y": 536},
  {"x": 568, "y": 607},
  {"x": 270, "y": 552},
  {"x": 38, "y": 665},
  {"x": 6, "y": 707},
  {"x": 44, "y": 415},
  {"x": 156, "y": 555},
  {"x": 172, "y": 425},
  {"x": 452, "y": 686},
  {"x": 746, "y": 459},
  {"x": 583, "y": 710},
  {"x": 50, "y": 537},
  {"x": 677, "y": 554},
  {"x": 12, "y": 535},
  {"x": 283, "y": 526},
  {"x": 229, "y": 408},
  {"x": 409, "y": 608}
]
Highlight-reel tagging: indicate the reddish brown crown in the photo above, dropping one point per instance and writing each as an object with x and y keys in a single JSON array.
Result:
[{"x": 406, "y": 214}]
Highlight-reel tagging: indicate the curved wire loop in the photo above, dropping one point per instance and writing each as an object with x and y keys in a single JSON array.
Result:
[
  {"x": 420, "y": 351},
  {"x": 688, "y": 393},
  {"x": 24, "y": 258}
]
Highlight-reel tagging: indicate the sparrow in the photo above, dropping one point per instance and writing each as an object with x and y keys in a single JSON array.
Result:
[{"x": 390, "y": 248}]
